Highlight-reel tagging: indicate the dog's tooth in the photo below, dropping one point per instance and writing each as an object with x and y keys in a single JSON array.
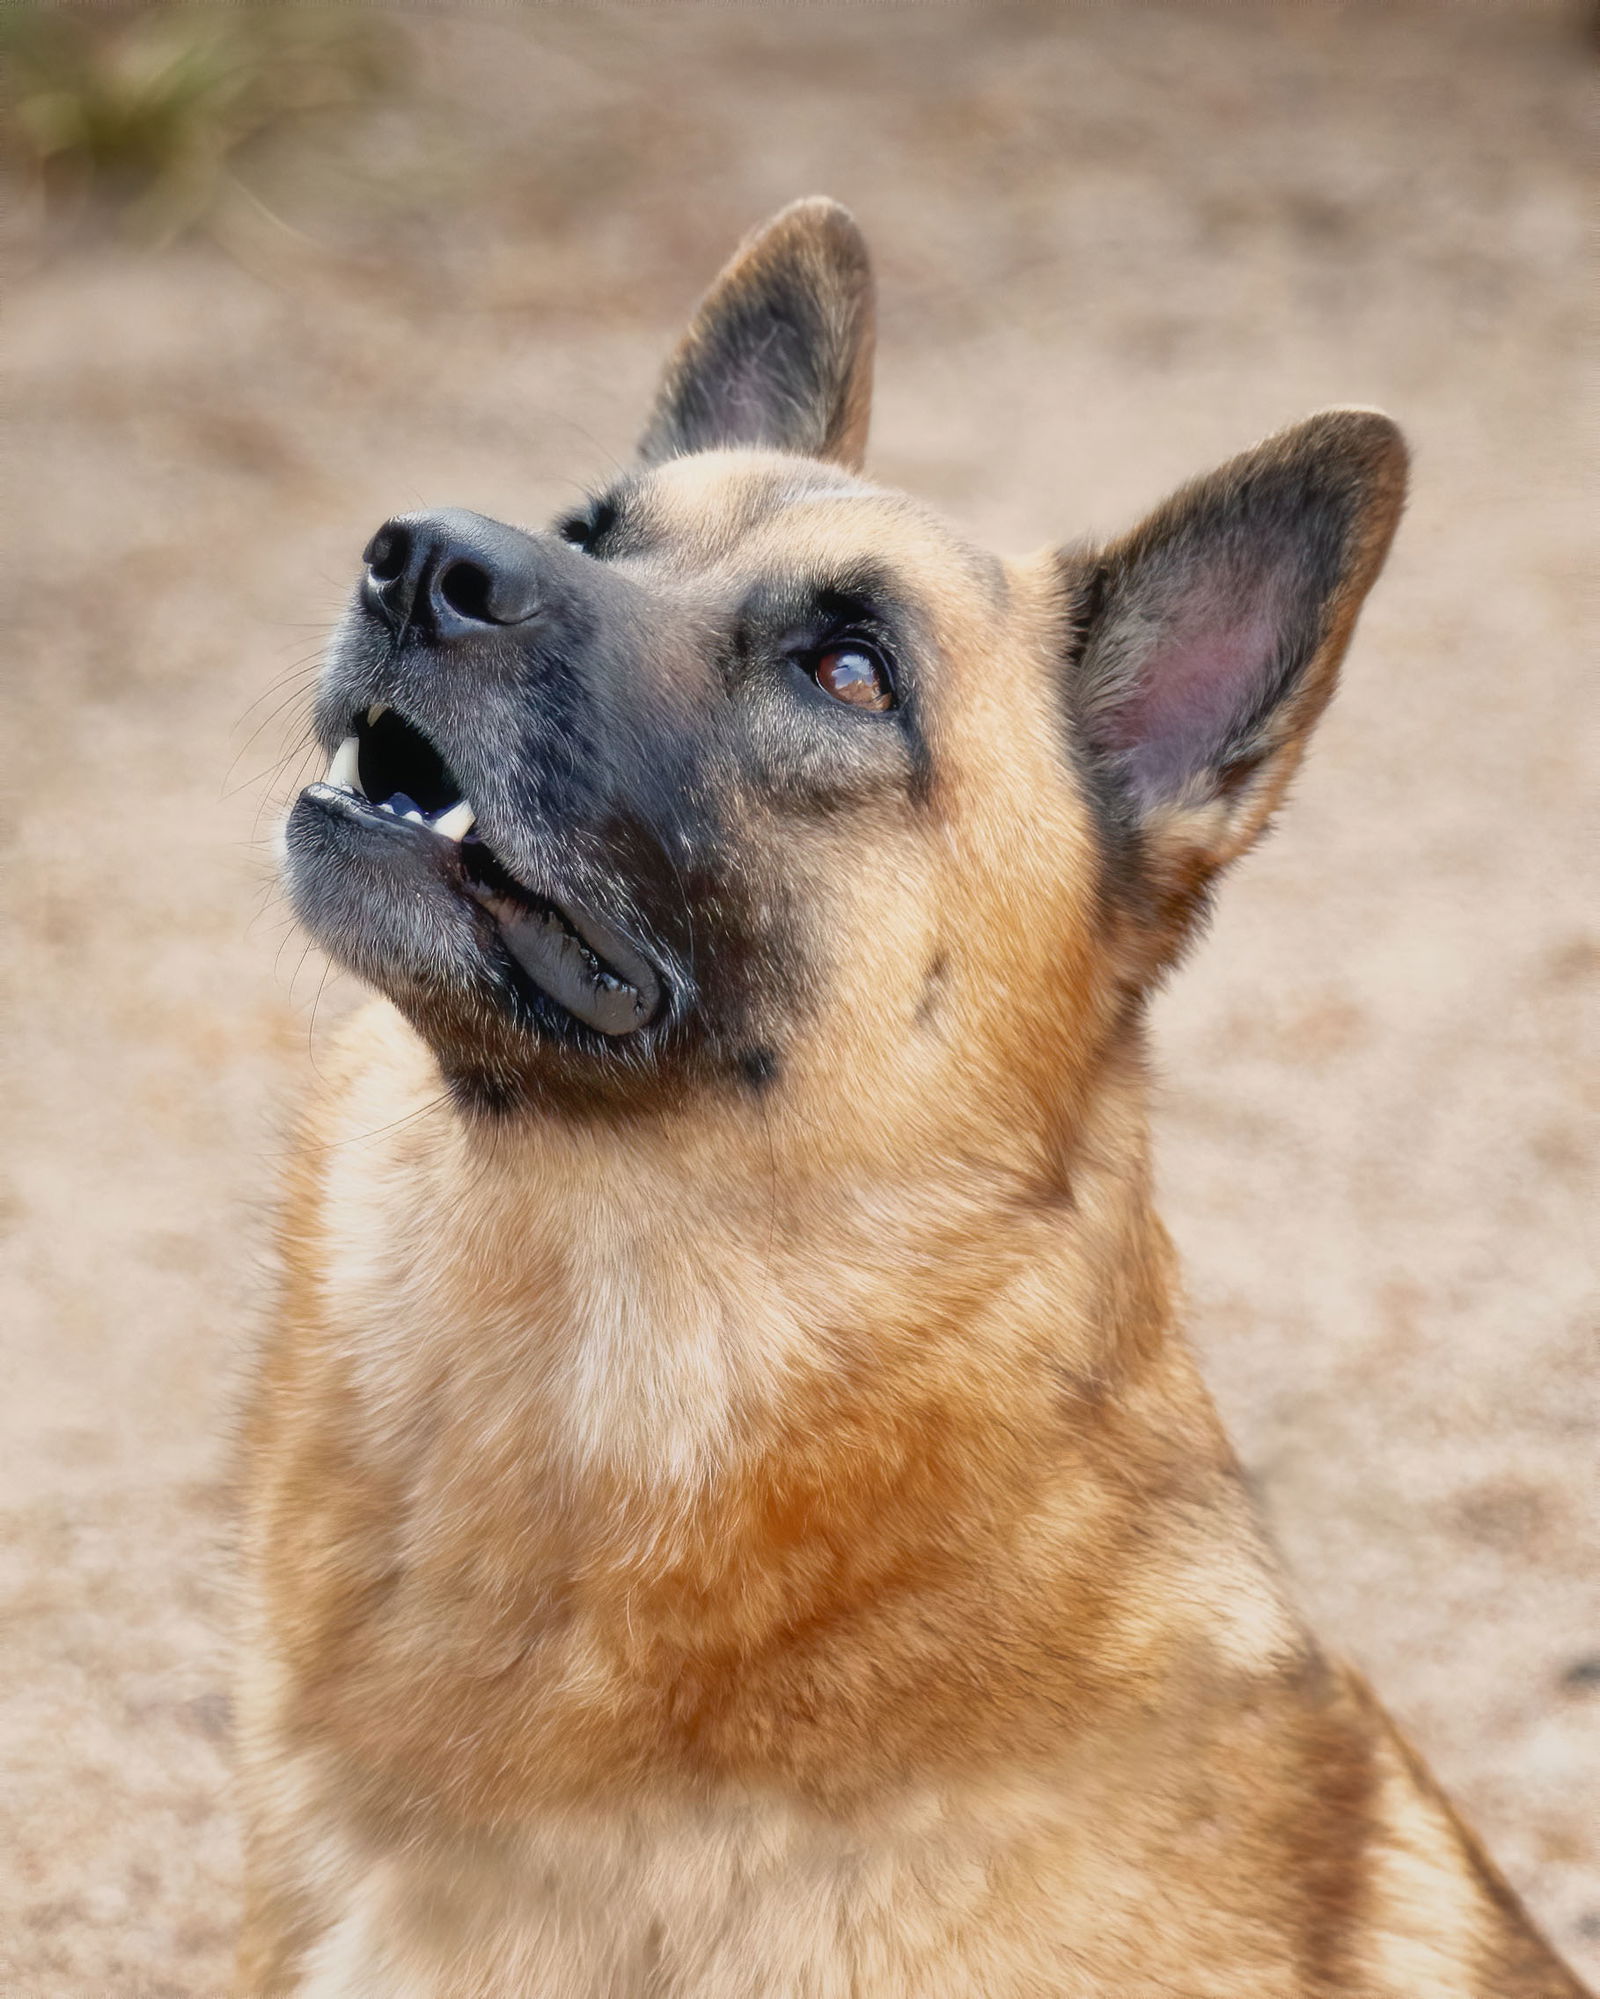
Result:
[
  {"x": 378, "y": 708},
  {"x": 457, "y": 823},
  {"x": 345, "y": 770}
]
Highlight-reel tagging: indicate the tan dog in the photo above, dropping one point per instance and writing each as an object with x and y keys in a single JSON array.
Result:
[{"x": 731, "y": 1511}]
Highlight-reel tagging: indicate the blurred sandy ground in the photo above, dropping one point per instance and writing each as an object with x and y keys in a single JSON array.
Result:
[{"x": 1116, "y": 243}]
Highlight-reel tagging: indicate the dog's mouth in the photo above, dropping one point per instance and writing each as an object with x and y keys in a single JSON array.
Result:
[{"x": 389, "y": 770}]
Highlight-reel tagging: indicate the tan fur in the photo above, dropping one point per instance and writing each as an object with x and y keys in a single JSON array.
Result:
[{"x": 780, "y": 1545}]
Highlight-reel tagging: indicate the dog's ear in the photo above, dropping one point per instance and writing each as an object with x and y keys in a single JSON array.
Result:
[
  {"x": 1207, "y": 642},
  {"x": 779, "y": 355}
]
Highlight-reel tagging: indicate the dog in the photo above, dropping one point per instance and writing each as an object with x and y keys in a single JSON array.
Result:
[{"x": 729, "y": 1510}]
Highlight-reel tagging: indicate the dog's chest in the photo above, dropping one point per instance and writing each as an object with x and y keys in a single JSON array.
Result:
[{"x": 739, "y": 1900}]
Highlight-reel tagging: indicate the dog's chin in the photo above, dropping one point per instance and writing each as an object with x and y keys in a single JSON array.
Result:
[{"x": 509, "y": 987}]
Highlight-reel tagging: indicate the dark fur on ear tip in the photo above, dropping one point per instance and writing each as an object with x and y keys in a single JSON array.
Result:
[
  {"x": 1365, "y": 452},
  {"x": 779, "y": 354}
]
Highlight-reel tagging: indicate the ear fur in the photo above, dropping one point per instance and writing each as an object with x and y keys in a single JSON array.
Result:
[
  {"x": 1208, "y": 641},
  {"x": 779, "y": 354}
]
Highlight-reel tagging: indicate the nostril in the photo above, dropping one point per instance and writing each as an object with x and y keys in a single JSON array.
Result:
[
  {"x": 447, "y": 574},
  {"x": 387, "y": 553},
  {"x": 465, "y": 588}
]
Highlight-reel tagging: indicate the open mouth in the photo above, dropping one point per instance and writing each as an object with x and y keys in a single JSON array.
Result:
[{"x": 570, "y": 954}]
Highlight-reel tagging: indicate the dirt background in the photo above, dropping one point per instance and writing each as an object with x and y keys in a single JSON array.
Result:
[{"x": 1116, "y": 243}]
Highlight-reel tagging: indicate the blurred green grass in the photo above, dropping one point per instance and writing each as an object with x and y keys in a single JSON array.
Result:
[{"x": 148, "y": 117}]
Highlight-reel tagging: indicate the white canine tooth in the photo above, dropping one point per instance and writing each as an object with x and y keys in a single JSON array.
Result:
[
  {"x": 345, "y": 770},
  {"x": 415, "y": 817},
  {"x": 378, "y": 708},
  {"x": 457, "y": 823}
]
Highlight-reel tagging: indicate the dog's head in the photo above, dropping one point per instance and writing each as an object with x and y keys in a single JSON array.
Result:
[{"x": 752, "y": 774}]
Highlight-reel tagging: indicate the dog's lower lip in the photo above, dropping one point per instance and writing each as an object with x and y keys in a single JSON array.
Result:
[
  {"x": 564, "y": 946},
  {"x": 577, "y": 959},
  {"x": 570, "y": 953}
]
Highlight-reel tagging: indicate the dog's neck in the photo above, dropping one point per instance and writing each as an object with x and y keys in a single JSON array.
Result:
[{"x": 655, "y": 1321}]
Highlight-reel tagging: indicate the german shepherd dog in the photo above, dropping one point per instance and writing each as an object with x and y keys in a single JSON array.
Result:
[{"x": 731, "y": 1513}]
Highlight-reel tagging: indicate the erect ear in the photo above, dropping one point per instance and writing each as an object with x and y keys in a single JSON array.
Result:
[
  {"x": 779, "y": 355},
  {"x": 1208, "y": 641}
]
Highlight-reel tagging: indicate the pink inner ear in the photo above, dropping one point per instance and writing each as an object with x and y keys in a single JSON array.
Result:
[{"x": 1202, "y": 676}]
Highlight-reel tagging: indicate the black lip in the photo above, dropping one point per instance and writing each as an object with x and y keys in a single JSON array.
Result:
[
  {"x": 574, "y": 959},
  {"x": 351, "y": 805},
  {"x": 550, "y": 949}
]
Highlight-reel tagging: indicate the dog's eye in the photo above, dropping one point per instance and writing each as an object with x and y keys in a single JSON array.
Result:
[
  {"x": 586, "y": 530},
  {"x": 854, "y": 673}
]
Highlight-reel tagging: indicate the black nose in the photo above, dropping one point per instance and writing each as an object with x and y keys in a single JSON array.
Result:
[{"x": 449, "y": 574}]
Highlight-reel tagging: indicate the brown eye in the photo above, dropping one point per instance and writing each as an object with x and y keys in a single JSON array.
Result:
[{"x": 853, "y": 673}]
